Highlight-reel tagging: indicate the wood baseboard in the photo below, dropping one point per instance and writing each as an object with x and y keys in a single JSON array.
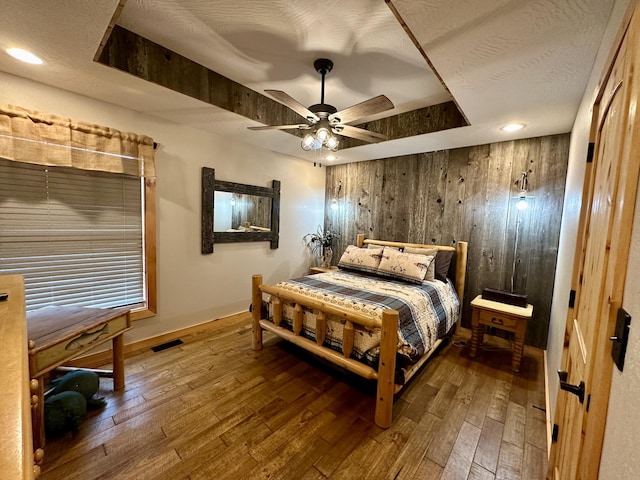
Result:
[{"x": 104, "y": 357}]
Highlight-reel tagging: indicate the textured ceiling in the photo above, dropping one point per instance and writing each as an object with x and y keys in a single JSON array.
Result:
[
  {"x": 502, "y": 60},
  {"x": 272, "y": 45}
]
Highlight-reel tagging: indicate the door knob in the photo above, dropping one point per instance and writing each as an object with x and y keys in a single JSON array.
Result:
[{"x": 567, "y": 387}]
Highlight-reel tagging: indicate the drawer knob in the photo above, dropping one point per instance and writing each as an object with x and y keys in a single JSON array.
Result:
[
  {"x": 497, "y": 321},
  {"x": 38, "y": 456}
]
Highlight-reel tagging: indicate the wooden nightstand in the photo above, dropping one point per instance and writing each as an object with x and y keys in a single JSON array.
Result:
[
  {"x": 501, "y": 316},
  {"x": 314, "y": 270}
]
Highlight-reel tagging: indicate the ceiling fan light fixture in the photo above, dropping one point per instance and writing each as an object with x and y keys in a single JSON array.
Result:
[
  {"x": 332, "y": 143},
  {"x": 322, "y": 134},
  {"x": 321, "y": 137},
  {"x": 307, "y": 142}
]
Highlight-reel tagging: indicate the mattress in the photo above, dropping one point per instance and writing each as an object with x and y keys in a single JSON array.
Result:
[{"x": 426, "y": 311}]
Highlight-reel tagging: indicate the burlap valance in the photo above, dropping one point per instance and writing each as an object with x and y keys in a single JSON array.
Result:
[{"x": 34, "y": 137}]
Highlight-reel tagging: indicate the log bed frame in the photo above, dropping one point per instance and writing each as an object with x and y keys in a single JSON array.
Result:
[{"x": 386, "y": 387}]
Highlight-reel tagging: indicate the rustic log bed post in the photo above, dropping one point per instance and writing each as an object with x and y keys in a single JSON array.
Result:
[
  {"x": 387, "y": 368},
  {"x": 388, "y": 325},
  {"x": 389, "y": 338}
]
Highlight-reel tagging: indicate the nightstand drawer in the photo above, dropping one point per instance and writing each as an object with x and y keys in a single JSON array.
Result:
[{"x": 493, "y": 319}]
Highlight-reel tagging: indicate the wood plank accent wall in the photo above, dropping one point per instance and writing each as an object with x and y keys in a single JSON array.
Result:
[
  {"x": 253, "y": 209},
  {"x": 466, "y": 194}
]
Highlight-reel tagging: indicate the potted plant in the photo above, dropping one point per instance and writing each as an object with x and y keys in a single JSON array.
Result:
[{"x": 321, "y": 244}]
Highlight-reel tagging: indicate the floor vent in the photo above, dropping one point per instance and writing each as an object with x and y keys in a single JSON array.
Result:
[{"x": 164, "y": 346}]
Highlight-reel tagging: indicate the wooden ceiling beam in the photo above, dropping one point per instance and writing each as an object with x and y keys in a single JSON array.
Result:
[
  {"x": 138, "y": 56},
  {"x": 131, "y": 53},
  {"x": 433, "y": 118}
]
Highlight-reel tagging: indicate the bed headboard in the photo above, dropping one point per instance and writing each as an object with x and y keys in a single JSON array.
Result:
[{"x": 460, "y": 258}]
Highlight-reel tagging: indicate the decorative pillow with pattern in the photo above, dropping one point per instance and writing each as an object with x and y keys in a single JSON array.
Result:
[
  {"x": 411, "y": 267},
  {"x": 373, "y": 245},
  {"x": 429, "y": 252},
  {"x": 361, "y": 259}
]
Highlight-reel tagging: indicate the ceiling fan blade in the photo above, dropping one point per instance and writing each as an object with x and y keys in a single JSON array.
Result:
[
  {"x": 363, "y": 109},
  {"x": 300, "y": 126},
  {"x": 294, "y": 105},
  {"x": 359, "y": 133}
]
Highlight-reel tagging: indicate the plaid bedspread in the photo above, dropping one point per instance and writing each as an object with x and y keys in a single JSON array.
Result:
[{"x": 426, "y": 312}]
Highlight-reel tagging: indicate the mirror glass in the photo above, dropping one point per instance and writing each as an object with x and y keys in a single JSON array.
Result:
[{"x": 237, "y": 212}]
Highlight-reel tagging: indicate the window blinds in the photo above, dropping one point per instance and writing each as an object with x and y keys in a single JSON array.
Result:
[{"x": 75, "y": 235}]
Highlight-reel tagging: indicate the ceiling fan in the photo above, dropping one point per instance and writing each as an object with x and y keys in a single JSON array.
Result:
[{"x": 325, "y": 120}]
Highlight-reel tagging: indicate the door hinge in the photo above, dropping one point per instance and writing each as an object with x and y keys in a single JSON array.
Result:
[
  {"x": 554, "y": 433},
  {"x": 588, "y": 402},
  {"x": 590, "y": 152},
  {"x": 572, "y": 298}
]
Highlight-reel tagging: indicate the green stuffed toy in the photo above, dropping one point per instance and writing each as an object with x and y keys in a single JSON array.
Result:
[
  {"x": 67, "y": 406},
  {"x": 64, "y": 412}
]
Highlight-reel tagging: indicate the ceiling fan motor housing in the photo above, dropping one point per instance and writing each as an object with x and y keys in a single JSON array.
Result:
[{"x": 323, "y": 110}]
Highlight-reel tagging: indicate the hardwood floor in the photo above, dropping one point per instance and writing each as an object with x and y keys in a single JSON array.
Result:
[{"x": 212, "y": 408}]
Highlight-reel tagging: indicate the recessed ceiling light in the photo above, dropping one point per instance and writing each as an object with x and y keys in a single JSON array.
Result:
[
  {"x": 512, "y": 127},
  {"x": 330, "y": 158},
  {"x": 24, "y": 56}
]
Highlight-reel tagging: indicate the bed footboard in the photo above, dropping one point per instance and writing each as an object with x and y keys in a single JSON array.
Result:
[
  {"x": 389, "y": 338},
  {"x": 386, "y": 369}
]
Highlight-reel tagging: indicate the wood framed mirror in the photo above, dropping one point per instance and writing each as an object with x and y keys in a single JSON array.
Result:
[{"x": 235, "y": 212}]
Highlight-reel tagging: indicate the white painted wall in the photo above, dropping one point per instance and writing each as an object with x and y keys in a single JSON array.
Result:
[
  {"x": 620, "y": 459},
  {"x": 195, "y": 288},
  {"x": 571, "y": 209}
]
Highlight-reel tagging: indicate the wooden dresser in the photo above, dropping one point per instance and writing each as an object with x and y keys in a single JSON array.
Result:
[{"x": 17, "y": 459}]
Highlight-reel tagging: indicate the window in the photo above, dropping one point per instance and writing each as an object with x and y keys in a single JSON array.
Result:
[
  {"x": 75, "y": 235},
  {"x": 77, "y": 212}
]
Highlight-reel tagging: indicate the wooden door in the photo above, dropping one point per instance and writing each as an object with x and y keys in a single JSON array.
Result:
[{"x": 600, "y": 267}]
